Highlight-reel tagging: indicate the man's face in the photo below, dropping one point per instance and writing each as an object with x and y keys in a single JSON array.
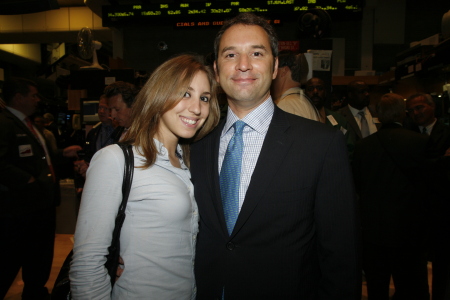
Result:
[
  {"x": 315, "y": 90},
  {"x": 28, "y": 103},
  {"x": 103, "y": 111},
  {"x": 245, "y": 66},
  {"x": 39, "y": 122},
  {"x": 420, "y": 111},
  {"x": 120, "y": 111},
  {"x": 359, "y": 98}
]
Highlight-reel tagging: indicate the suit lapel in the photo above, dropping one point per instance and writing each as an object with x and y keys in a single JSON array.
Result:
[
  {"x": 22, "y": 126},
  {"x": 275, "y": 146},
  {"x": 351, "y": 120},
  {"x": 212, "y": 174}
]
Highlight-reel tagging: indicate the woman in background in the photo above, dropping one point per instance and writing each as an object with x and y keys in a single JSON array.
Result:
[{"x": 176, "y": 106}]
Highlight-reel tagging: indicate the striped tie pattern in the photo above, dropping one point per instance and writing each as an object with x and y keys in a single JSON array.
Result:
[{"x": 230, "y": 176}]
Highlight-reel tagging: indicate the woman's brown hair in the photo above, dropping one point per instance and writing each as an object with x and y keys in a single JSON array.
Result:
[{"x": 164, "y": 89}]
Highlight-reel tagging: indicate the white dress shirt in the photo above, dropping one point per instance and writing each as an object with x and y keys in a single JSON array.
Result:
[
  {"x": 254, "y": 133},
  {"x": 370, "y": 120}
]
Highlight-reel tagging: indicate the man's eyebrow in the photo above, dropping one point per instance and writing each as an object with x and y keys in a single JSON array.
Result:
[{"x": 230, "y": 48}]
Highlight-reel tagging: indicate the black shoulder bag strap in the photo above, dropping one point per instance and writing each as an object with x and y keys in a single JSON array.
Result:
[{"x": 112, "y": 259}]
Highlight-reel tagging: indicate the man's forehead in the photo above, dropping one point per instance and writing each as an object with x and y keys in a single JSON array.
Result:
[
  {"x": 238, "y": 28},
  {"x": 420, "y": 100}
]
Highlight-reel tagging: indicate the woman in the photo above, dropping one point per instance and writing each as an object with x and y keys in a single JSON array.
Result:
[{"x": 177, "y": 105}]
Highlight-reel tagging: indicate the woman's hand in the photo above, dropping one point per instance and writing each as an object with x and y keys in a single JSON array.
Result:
[{"x": 119, "y": 268}]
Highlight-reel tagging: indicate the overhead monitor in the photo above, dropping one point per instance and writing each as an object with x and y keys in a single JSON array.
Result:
[{"x": 212, "y": 13}]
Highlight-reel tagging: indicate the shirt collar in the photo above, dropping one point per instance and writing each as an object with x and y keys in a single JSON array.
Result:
[
  {"x": 163, "y": 156},
  {"x": 294, "y": 90},
  {"x": 355, "y": 112},
  {"x": 20, "y": 115},
  {"x": 258, "y": 119},
  {"x": 429, "y": 127}
]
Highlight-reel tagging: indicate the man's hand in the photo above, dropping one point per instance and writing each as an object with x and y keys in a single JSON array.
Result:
[
  {"x": 81, "y": 167},
  {"x": 119, "y": 268},
  {"x": 71, "y": 151}
]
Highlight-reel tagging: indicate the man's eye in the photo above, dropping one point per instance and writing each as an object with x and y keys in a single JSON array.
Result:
[
  {"x": 204, "y": 99},
  {"x": 231, "y": 55},
  {"x": 187, "y": 95}
]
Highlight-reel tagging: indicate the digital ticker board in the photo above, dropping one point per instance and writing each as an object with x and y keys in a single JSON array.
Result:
[{"x": 190, "y": 13}]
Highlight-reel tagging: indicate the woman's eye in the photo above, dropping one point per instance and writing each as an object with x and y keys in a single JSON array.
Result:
[
  {"x": 204, "y": 98},
  {"x": 187, "y": 95}
]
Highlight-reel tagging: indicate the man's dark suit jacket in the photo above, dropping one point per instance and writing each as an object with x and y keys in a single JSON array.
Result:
[
  {"x": 389, "y": 168},
  {"x": 16, "y": 169},
  {"x": 353, "y": 126},
  {"x": 297, "y": 234},
  {"x": 91, "y": 140},
  {"x": 27, "y": 213}
]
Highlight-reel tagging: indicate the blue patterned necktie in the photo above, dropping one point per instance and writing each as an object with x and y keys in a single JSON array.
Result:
[{"x": 230, "y": 176}]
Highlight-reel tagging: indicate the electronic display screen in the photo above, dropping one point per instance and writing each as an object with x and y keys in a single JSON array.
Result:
[{"x": 203, "y": 13}]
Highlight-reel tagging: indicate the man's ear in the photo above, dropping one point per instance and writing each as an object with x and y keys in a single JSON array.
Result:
[
  {"x": 216, "y": 70},
  {"x": 16, "y": 100},
  {"x": 275, "y": 68}
]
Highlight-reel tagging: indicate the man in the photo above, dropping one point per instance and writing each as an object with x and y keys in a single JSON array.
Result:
[
  {"x": 52, "y": 127},
  {"x": 421, "y": 110},
  {"x": 27, "y": 193},
  {"x": 388, "y": 168},
  {"x": 101, "y": 135},
  {"x": 361, "y": 120},
  {"x": 39, "y": 122},
  {"x": 286, "y": 90},
  {"x": 316, "y": 90},
  {"x": 279, "y": 222},
  {"x": 121, "y": 96}
]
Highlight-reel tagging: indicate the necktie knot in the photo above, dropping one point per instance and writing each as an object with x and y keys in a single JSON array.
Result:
[
  {"x": 424, "y": 130},
  {"x": 239, "y": 127}
]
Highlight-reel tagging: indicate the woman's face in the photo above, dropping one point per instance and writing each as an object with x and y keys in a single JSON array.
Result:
[{"x": 190, "y": 113}]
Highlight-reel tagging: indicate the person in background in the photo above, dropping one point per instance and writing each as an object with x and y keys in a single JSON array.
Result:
[
  {"x": 285, "y": 89},
  {"x": 53, "y": 128},
  {"x": 421, "y": 109},
  {"x": 39, "y": 122},
  {"x": 101, "y": 135},
  {"x": 316, "y": 91},
  {"x": 176, "y": 106},
  {"x": 121, "y": 96},
  {"x": 361, "y": 120},
  {"x": 27, "y": 192},
  {"x": 388, "y": 168},
  {"x": 278, "y": 216}
]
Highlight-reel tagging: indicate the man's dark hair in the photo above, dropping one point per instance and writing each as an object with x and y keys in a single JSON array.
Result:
[
  {"x": 127, "y": 90},
  {"x": 286, "y": 58},
  {"x": 296, "y": 63},
  {"x": 16, "y": 85},
  {"x": 248, "y": 19}
]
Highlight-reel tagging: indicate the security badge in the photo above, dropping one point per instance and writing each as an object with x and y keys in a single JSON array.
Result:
[
  {"x": 25, "y": 150},
  {"x": 334, "y": 123}
]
